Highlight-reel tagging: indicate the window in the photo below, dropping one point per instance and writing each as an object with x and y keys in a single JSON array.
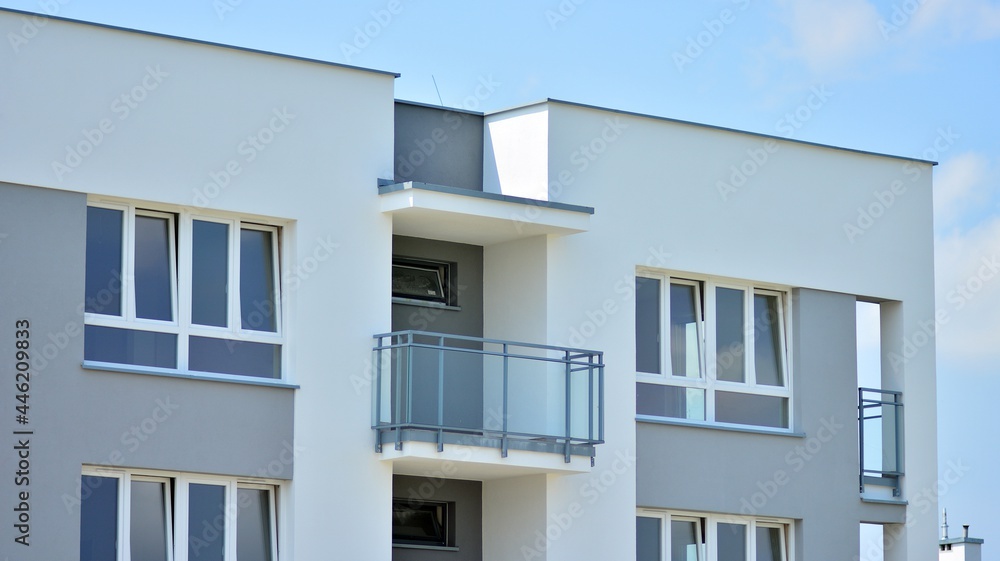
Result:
[
  {"x": 127, "y": 516},
  {"x": 711, "y": 351},
  {"x": 663, "y": 536},
  {"x": 182, "y": 291},
  {"x": 423, "y": 280},
  {"x": 422, "y": 523}
]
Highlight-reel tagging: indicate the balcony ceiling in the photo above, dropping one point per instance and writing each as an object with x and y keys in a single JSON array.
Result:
[{"x": 460, "y": 215}]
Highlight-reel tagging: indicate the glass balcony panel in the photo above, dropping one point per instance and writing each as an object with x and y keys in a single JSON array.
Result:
[
  {"x": 465, "y": 385},
  {"x": 890, "y": 461},
  {"x": 873, "y": 452}
]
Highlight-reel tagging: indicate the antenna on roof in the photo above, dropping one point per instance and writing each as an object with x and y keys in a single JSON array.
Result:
[{"x": 437, "y": 90}]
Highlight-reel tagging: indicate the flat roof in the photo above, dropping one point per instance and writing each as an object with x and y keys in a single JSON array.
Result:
[
  {"x": 952, "y": 541},
  {"x": 714, "y": 127},
  {"x": 439, "y": 107},
  {"x": 200, "y": 42}
]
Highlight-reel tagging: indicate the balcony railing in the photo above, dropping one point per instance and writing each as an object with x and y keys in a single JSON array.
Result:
[
  {"x": 880, "y": 433},
  {"x": 485, "y": 392}
]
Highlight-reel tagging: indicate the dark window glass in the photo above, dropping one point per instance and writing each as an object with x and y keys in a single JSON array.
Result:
[
  {"x": 751, "y": 409},
  {"x": 729, "y": 322},
  {"x": 422, "y": 280},
  {"x": 148, "y": 521},
  {"x": 767, "y": 340},
  {"x": 99, "y": 519},
  {"x": 129, "y": 346},
  {"x": 257, "y": 281},
  {"x": 419, "y": 523},
  {"x": 253, "y": 525},
  {"x": 732, "y": 542},
  {"x": 659, "y": 400},
  {"x": 647, "y": 539},
  {"x": 153, "y": 297},
  {"x": 206, "y": 522},
  {"x": 647, "y": 325},
  {"x": 228, "y": 356},
  {"x": 210, "y": 274},
  {"x": 104, "y": 261}
]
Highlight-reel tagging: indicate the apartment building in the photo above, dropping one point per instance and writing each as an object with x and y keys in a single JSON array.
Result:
[{"x": 254, "y": 307}]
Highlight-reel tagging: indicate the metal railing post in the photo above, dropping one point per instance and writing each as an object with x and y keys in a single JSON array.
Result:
[
  {"x": 408, "y": 392},
  {"x": 569, "y": 397},
  {"x": 898, "y": 422},
  {"x": 861, "y": 437},
  {"x": 377, "y": 393},
  {"x": 503, "y": 412},
  {"x": 590, "y": 397},
  {"x": 600, "y": 397},
  {"x": 440, "y": 408}
]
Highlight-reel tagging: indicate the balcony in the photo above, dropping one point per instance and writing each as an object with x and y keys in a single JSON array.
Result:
[
  {"x": 880, "y": 434},
  {"x": 479, "y": 393}
]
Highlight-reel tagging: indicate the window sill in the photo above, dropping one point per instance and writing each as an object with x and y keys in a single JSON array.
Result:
[
  {"x": 714, "y": 426},
  {"x": 428, "y": 547},
  {"x": 187, "y": 375},
  {"x": 424, "y": 304}
]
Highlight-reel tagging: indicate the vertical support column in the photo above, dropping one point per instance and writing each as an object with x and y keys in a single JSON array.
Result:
[
  {"x": 909, "y": 368},
  {"x": 892, "y": 333}
]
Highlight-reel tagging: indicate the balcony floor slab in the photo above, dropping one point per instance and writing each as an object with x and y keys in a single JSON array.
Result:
[{"x": 474, "y": 461}]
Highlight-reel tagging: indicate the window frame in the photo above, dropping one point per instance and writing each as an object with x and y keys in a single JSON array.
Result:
[
  {"x": 707, "y": 531},
  {"x": 177, "y": 485},
  {"x": 708, "y": 382},
  {"x": 181, "y": 269}
]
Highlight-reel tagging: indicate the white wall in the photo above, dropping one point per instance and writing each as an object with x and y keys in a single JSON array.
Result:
[
  {"x": 514, "y": 514},
  {"x": 515, "y": 155},
  {"x": 655, "y": 185},
  {"x": 317, "y": 175}
]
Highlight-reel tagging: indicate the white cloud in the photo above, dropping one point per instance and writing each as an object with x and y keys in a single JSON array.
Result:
[
  {"x": 958, "y": 185},
  {"x": 835, "y": 35},
  {"x": 827, "y": 34},
  {"x": 963, "y": 19},
  {"x": 968, "y": 289}
]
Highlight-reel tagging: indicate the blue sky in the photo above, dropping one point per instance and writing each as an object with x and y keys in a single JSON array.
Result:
[{"x": 895, "y": 76}]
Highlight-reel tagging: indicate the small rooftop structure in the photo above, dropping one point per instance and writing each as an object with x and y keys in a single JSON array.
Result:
[{"x": 958, "y": 549}]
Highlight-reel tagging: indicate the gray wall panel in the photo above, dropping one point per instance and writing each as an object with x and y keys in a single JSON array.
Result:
[
  {"x": 438, "y": 146},
  {"x": 468, "y": 499},
  {"x": 463, "y": 394},
  {"x": 760, "y": 474},
  {"x": 469, "y": 259},
  {"x": 91, "y": 417}
]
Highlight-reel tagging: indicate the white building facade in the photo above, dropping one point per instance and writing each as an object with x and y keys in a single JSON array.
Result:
[{"x": 259, "y": 309}]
